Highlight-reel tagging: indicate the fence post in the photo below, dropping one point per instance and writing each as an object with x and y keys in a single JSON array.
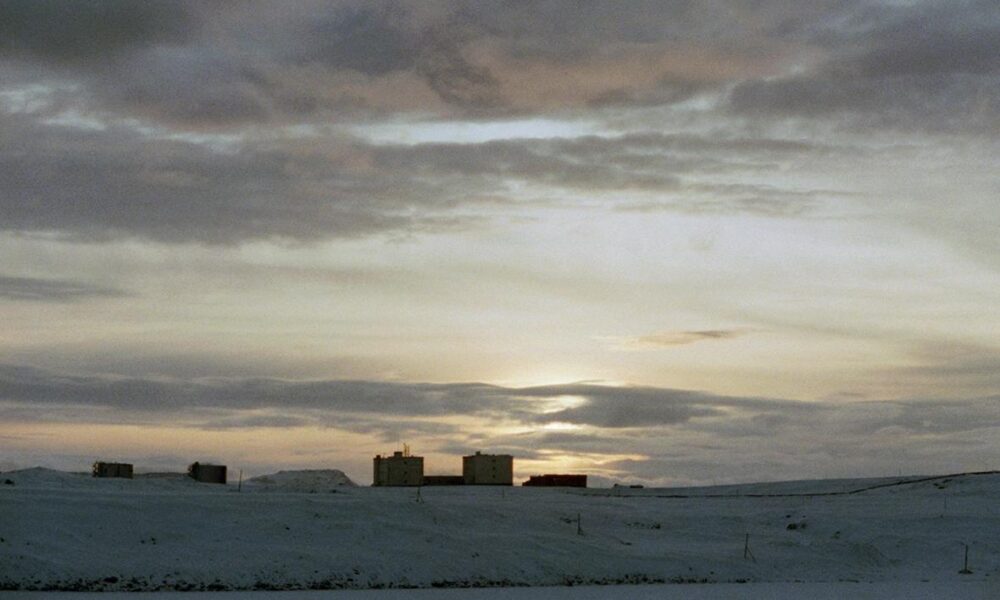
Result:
[
  {"x": 747, "y": 554},
  {"x": 965, "y": 570}
]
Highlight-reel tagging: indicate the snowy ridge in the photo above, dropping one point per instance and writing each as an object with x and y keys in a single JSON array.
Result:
[
  {"x": 833, "y": 487},
  {"x": 70, "y": 531}
]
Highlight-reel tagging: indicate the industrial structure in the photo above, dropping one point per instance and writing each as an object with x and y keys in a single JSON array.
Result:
[
  {"x": 207, "y": 473},
  {"x": 400, "y": 469},
  {"x": 557, "y": 480},
  {"x": 110, "y": 469},
  {"x": 488, "y": 469},
  {"x": 404, "y": 469}
]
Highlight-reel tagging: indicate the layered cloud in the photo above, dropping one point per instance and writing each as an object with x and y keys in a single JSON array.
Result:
[
  {"x": 98, "y": 184},
  {"x": 112, "y": 182},
  {"x": 195, "y": 65},
  {"x": 184, "y": 122},
  {"x": 643, "y": 423},
  {"x": 913, "y": 66}
]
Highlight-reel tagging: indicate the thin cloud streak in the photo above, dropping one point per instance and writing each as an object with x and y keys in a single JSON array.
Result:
[
  {"x": 668, "y": 339},
  {"x": 32, "y": 289}
]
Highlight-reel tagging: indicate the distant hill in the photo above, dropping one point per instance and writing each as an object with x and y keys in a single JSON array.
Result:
[{"x": 307, "y": 481}]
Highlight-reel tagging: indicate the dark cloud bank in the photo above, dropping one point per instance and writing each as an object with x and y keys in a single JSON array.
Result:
[
  {"x": 195, "y": 64},
  {"x": 184, "y": 68},
  {"x": 927, "y": 66}
]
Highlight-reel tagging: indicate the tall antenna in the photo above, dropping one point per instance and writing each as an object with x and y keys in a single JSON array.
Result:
[{"x": 406, "y": 449}]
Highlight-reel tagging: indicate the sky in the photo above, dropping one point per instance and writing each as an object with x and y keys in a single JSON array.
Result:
[{"x": 671, "y": 242}]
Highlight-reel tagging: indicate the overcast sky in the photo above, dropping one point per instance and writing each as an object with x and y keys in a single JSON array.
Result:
[{"x": 665, "y": 242}]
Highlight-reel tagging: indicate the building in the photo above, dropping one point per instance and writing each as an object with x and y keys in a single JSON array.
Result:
[
  {"x": 557, "y": 480},
  {"x": 109, "y": 469},
  {"x": 400, "y": 469},
  {"x": 488, "y": 469},
  {"x": 207, "y": 473}
]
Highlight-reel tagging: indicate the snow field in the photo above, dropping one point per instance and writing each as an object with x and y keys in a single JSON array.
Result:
[
  {"x": 718, "y": 591},
  {"x": 66, "y": 531}
]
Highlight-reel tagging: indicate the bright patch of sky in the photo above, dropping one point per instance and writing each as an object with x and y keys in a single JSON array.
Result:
[
  {"x": 76, "y": 120},
  {"x": 31, "y": 98},
  {"x": 472, "y": 132}
]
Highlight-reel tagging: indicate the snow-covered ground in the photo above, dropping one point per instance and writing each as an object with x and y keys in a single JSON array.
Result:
[
  {"x": 966, "y": 590},
  {"x": 70, "y": 531}
]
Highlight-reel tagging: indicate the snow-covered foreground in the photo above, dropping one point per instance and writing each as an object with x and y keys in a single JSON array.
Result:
[
  {"x": 718, "y": 591},
  {"x": 72, "y": 532}
]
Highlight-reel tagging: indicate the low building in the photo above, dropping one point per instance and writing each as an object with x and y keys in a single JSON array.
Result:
[
  {"x": 444, "y": 480},
  {"x": 557, "y": 480},
  {"x": 488, "y": 469},
  {"x": 207, "y": 473},
  {"x": 110, "y": 469},
  {"x": 400, "y": 469}
]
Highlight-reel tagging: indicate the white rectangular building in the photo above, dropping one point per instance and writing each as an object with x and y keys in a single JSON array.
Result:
[
  {"x": 400, "y": 469},
  {"x": 488, "y": 469}
]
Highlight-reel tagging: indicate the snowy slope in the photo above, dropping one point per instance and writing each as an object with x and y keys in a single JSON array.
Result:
[{"x": 62, "y": 530}]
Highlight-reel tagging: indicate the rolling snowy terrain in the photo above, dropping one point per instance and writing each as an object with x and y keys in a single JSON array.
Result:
[{"x": 315, "y": 530}]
